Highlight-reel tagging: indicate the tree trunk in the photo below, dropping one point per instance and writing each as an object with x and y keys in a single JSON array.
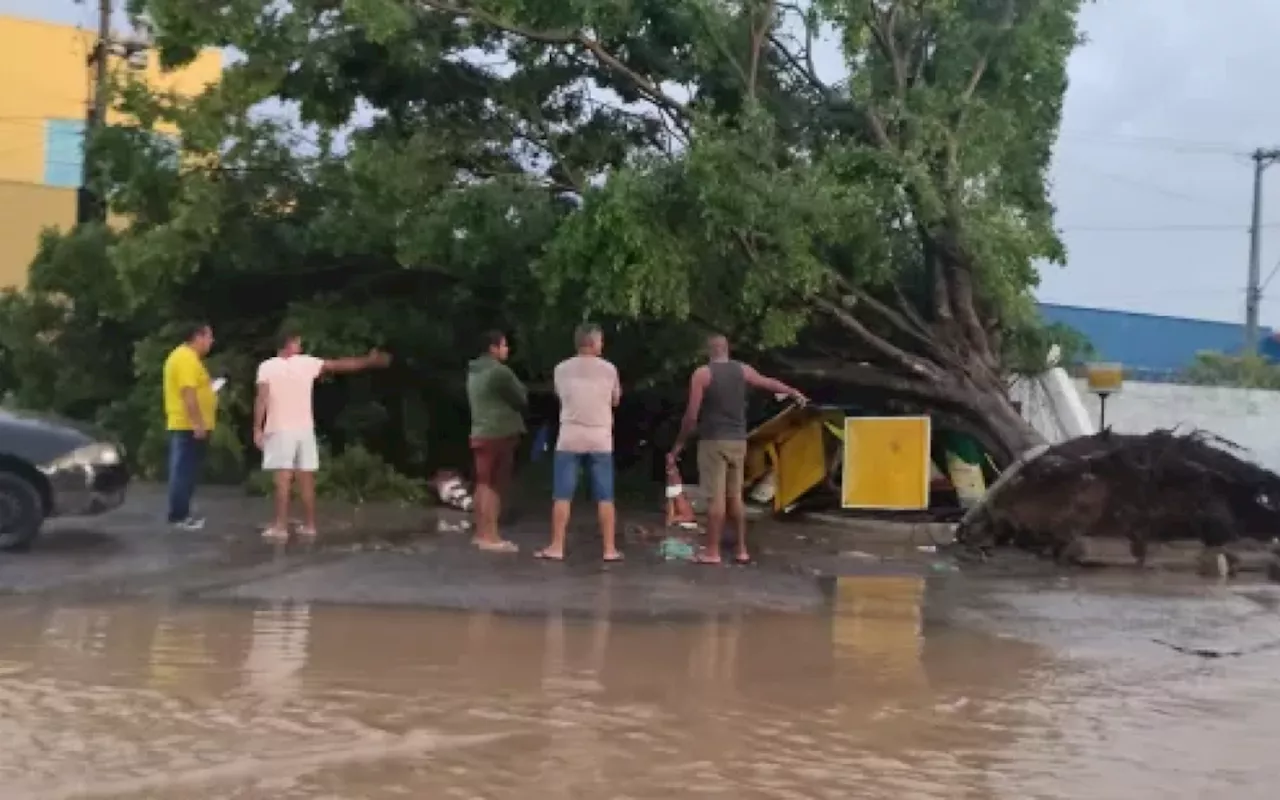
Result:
[
  {"x": 980, "y": 408},
  {"x": 936, "y": 354},
  {"x": 1000, "y": 428}
]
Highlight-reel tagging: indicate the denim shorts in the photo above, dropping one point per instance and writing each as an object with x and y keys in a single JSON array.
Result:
[{"x": 566, "y": 466}]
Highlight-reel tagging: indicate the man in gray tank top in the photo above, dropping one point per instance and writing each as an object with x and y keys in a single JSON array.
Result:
[{"x": 717, "y": 412}]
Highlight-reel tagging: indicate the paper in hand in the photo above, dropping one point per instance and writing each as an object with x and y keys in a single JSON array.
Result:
[{"x": 218, "y": 383}]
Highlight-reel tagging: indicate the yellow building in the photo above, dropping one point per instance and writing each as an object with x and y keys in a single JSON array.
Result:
[{"x": 45, "y": 83}]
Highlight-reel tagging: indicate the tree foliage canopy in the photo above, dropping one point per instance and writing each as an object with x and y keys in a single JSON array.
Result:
[{"x": 854, "y": 190}]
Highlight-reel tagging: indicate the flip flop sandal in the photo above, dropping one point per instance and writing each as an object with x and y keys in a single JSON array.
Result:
[
  {"x": 702, "y": 558},
  {"x": 543, "y": 555},
  {"x": 275, "y": 534},
  {"x": 500, "y": 546},
  {"x": 616, "y": 559}
]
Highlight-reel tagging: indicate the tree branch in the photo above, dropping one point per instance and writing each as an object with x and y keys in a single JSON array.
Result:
[
  {"x": 958, "y": 275},
  {"x": 723, "y": 47},
  {"x": 895, "y": 355},
  {"x": 875, "y": 125},
  {"x": 1007, "y": 18},
  {"x": 760, "y": 29},
  {"x": 909, "y": 325},
  {"x": 904, "y": 361},
  {"x": 909, "y": 311},
  {"x": 546, "y": 143},
  {"x": 975, "y": 77},
  {"x": 883, "y": 27},
  {"x": 805, "y": 72},
  {"x": 833, "y": 374},
  {"x": 646, "y": 87},
  {"x": 918, "y": 52},
  {"x": 809, "y": 69}
]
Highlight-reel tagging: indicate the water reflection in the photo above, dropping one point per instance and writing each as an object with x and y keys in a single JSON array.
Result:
[{"x": 292, "y": 701}]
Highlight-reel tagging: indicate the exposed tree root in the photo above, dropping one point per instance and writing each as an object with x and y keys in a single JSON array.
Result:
[{"x": 1158, "y": 487}]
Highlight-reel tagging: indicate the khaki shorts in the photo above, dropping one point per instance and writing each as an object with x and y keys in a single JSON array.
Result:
[
  {"x": 290, "y": 451},
  {"x": 720, "y": 464}
]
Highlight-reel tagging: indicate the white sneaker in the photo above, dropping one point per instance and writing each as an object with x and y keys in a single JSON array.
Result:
[{"x": 190, "y": 524}]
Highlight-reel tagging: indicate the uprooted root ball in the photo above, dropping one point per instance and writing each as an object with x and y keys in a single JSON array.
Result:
[{"x": 1157, "y": 487}]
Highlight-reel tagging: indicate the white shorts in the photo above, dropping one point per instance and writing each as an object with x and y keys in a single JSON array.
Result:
[{"x": 291, "y": 450}]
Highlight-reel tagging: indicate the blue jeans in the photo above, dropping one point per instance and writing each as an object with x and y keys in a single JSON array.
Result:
[
  {"x": 186, "y": 458},
  {"x": 564, "y": 475}
]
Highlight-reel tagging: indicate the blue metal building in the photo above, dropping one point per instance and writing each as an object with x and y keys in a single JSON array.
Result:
[{"x": 1151, "y": 345}]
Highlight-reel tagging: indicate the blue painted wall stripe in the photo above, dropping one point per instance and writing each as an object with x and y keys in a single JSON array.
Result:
[
  {"x": 1152, "y": 342},
  {"x": 63, "y": 152}
]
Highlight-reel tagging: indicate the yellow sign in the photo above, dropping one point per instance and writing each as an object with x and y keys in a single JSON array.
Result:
[
  {"x": 1105, "y": 378},
  {"x": 886, "y": 463}
]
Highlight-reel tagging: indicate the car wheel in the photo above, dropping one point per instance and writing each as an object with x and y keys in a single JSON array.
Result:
[{"x": 21, "y": 512}]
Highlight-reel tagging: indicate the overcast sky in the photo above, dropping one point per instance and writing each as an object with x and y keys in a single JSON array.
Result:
[{"x": 1152, "y": 176}]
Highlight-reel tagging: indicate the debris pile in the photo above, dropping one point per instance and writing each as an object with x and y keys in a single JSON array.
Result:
[
  {"x": 1157, "y": 487},
  {"x": 451, "y": 490}
]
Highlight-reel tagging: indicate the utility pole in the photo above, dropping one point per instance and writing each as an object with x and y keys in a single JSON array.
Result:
[
  {"x": 89, "y": 207},
  {"x": 1253, "y": 292}
]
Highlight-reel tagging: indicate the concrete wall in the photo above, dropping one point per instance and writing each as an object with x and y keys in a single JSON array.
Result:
[
  {"x": 44, "y": 88},
  {"x": 1248, "y": 417}
]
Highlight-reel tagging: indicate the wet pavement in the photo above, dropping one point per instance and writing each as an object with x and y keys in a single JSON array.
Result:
[
  {"x": 411, "y": 556},
  {"x": 140, "y": 664}
]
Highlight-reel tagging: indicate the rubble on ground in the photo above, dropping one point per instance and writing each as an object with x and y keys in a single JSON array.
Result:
[{"x": 1163, "y": 486}]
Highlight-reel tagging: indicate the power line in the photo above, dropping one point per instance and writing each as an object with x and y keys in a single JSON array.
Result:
[
  {"x": 1125, "y": 180},
  {"x": 1167, "y": 143},
  {"x": 1147, "y": 138},
  {"x": 1173, "y": 228},
  {"x": 1267, "y": 282}
]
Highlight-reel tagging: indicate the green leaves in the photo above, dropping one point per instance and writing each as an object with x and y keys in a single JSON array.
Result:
[
  {"x": 382, "y": 20},
  {"x": 728, "y": 234},
  {"x": 1248, "y": 371}
]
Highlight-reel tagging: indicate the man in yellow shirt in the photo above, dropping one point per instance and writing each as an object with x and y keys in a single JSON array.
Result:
[{"x": 190, "y": 409}]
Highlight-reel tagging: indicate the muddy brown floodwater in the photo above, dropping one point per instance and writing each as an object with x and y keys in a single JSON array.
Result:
[{"x": 1023, "y": 691}]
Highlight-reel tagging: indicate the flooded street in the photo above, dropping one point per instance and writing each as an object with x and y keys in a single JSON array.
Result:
[{"x": 1024, "y": 691}]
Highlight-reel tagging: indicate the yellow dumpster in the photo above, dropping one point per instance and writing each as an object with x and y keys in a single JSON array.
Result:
[
  {"x": 792, "y": 453},
  {"x": 884, "y": 461}
]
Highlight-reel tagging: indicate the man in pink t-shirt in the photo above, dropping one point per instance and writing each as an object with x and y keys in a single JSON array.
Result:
[
  {"x": 284, "y": 428},
  {"x": 589, "y": 390}
]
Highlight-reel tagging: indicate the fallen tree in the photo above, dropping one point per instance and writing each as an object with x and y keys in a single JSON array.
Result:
[
  {"x": 853, "y": 190},
  {"x": 1158, "y": 487},
  {"x": 872, "y": 229}
]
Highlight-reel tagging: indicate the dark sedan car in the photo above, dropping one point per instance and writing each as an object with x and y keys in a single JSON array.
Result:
[{"x": 53, "y": 468}]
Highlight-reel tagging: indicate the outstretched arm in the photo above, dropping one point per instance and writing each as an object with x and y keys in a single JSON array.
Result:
[
  {"x": 339, "y": 366},
  {"x": 772, "y": 385},
  {"x": 697, "y": 387}
]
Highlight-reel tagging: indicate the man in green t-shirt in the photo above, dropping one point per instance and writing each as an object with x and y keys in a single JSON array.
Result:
[{"x": 497, "y": 399}]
